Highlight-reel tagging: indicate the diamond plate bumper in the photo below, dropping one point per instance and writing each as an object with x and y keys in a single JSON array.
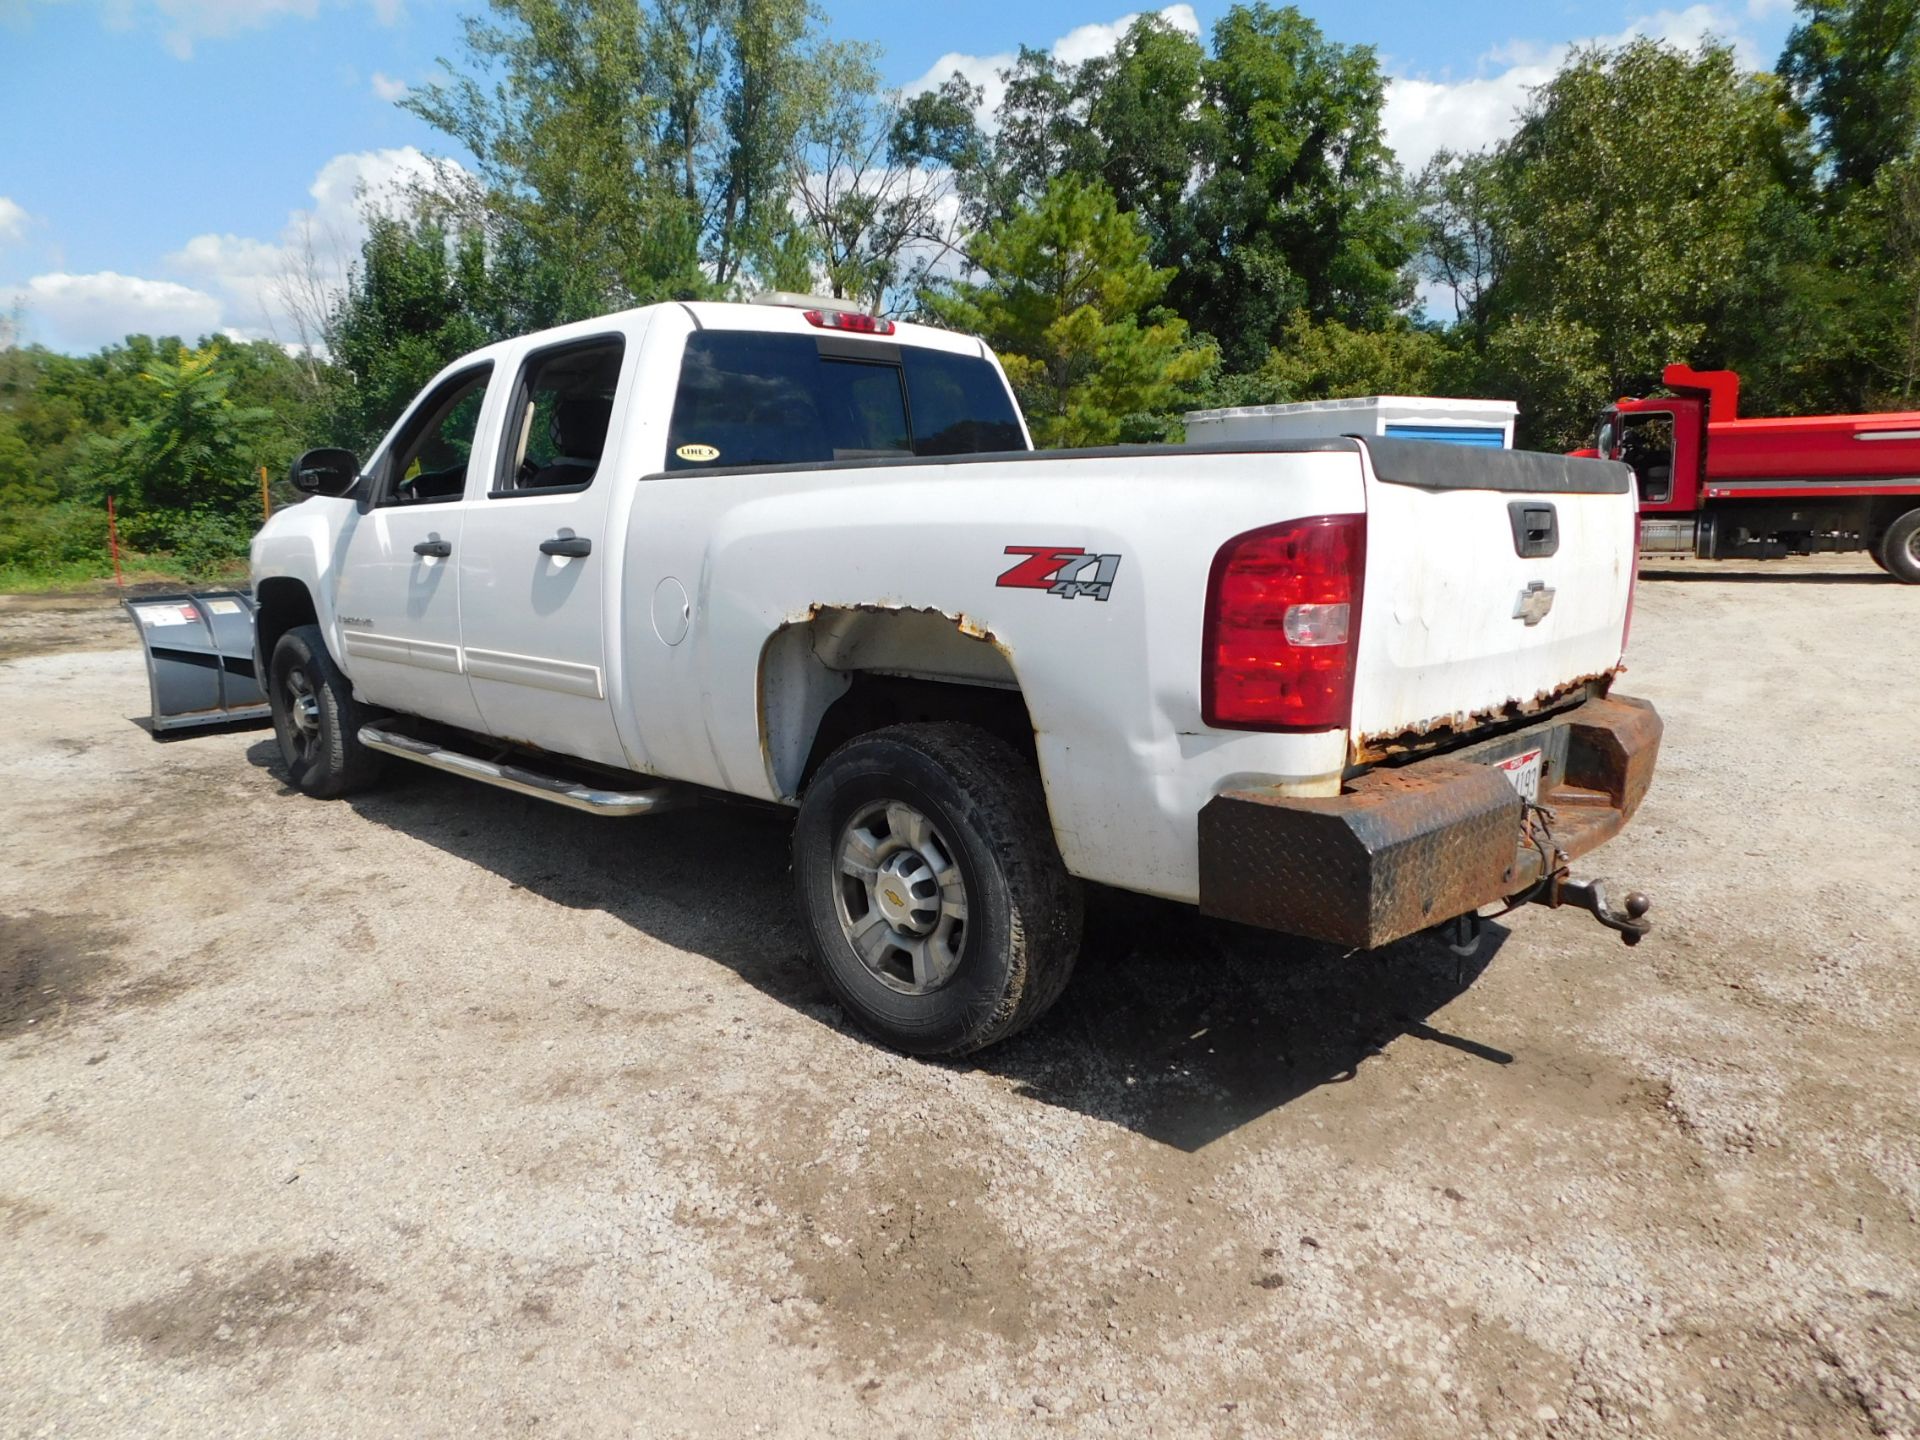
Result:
[{"x": 1411, "y": 846}]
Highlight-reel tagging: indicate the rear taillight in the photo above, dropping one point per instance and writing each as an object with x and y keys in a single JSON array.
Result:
[
  {"x": 1283, "y": 619},
  {"x": 850, "y": 320}
]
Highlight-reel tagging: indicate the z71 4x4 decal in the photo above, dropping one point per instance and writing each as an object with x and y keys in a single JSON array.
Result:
[{"x": 1063, "y": 570}]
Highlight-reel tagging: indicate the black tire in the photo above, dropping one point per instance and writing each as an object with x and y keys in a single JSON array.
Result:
[
  {"x": 316, "y": 718},
  {"x": 1010, "y": 949},
  {"x": 1899, "y": 552}
]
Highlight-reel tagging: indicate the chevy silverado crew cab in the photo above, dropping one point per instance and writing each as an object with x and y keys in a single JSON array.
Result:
[{"x": 1347, "y": 690}]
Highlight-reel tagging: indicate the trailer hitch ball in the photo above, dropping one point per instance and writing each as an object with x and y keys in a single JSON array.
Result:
[{"x": 1630, "y": 920}]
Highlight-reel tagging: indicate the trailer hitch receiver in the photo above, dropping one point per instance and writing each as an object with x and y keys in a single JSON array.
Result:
[{"x": 1630, "y": 920}]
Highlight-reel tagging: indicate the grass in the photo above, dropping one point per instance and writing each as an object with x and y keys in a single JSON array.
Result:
[{"x": 92, "y": 574}]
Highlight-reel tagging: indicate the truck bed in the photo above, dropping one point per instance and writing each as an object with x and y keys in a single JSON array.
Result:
[{"x": 1834, "y": 449}]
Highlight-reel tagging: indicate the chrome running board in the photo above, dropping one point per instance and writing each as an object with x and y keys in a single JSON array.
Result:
[{"x": 522, "y": 781}]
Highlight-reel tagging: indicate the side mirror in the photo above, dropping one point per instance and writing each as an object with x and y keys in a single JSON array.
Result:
[{"x": 325, "y": 472}]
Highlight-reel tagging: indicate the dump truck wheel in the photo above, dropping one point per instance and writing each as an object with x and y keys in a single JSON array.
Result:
[
  {"x": 1899, "y": 553},
  {"x": 316, "y": 718},
  {"x": 935, "y": 899}
]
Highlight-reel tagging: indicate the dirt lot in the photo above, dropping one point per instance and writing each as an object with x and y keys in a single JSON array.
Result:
[{"x": 445, "y": 1112}]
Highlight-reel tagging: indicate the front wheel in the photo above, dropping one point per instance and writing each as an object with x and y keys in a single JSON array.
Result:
[
  {"x": 1899, "y": 552},
  {"x": 316, "y": 719},
  {"x": 936, "y": 903}
]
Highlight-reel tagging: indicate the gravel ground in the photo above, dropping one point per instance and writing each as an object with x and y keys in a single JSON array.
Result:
[{"x": 443, "y": 1112}]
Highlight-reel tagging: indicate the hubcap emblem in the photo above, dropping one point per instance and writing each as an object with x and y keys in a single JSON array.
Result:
[{"x": 901, "y": 898}]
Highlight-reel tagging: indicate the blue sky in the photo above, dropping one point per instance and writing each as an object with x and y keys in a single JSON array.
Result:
[{"x": 161, "y": 160}]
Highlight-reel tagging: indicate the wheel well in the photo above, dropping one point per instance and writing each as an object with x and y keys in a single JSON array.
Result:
[
  {"x": 874, "y": 701},
  {"x": 1886, "y": 512},
  {"x": 279, "y": 605},
  {"x": 842, "y": 671}
]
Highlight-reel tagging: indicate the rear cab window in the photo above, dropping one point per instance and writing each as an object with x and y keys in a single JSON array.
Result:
[{"x": 750, "y": 398}]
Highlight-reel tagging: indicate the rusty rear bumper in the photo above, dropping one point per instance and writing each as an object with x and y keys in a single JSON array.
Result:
[{"x": 1408, "y": 847}]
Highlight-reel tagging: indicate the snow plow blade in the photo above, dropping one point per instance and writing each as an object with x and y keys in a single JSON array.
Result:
[{"x": 199, "y": 649}]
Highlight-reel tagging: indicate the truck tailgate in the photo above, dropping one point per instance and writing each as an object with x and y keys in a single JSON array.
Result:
[{"x": 1495, "y": 580}]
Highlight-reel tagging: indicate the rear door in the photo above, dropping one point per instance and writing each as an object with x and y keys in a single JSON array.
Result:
[
  {"x": 1494, "y": 580},
  {"x": 536, "y": 559}
]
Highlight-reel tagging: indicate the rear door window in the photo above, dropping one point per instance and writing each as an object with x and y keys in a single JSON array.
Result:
[
  {"x": 750, "y": 398},
  {"x": 557, "y": 423}
]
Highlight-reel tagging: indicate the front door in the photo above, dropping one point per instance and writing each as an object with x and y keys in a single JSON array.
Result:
[
  {"x": 535, "y": 555},
  {"x": 398, "y": 601}
]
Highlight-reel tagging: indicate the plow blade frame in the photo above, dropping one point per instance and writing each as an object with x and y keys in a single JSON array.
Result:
[{"x": 199, "y": 651}]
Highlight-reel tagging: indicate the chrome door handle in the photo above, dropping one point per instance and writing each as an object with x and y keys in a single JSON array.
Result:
[
  {"x": 571, "y": 545},
  {"x": 440, "y": 548}
]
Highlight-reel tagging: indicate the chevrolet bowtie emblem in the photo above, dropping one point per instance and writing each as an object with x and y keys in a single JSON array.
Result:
[{"x": 1533, "y": 604}]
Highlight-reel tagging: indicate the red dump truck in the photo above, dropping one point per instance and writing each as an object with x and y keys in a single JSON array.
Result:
[{"x": 1720, "y": 488}]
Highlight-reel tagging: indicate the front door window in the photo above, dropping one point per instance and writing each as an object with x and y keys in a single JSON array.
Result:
[{"x": 429, "y": 461}]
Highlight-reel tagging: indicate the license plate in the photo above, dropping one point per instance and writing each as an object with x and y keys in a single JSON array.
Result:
[{"x": 1523, "y": 773}]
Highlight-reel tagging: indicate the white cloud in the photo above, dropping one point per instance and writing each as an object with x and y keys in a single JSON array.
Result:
[
  {"x": 184, "y": 23},
  {"x": 1089, "y": 42},
  {"x": 387, "y": 88},
  {"x": 238, "y": 284},
  {"x": 14, "y": 220},
  {"x": 1424, "y": 116},
  {"x": 316, "y": 244},
  {"x": 84, "y": 312},
  {"x": 1075, "y": 47}
]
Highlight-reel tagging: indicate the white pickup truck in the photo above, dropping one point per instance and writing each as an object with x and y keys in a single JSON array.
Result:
[{"x": 1348, "y": 690}]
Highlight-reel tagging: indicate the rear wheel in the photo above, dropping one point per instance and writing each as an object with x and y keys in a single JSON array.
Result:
[
  {"x": 316, "y": 719},
  {"x": 1899, "y": 552},
  {"x": 936, "y": 902}
]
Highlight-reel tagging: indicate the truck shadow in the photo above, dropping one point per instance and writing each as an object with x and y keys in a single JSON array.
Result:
[
  {"x": 1184, "y": 1029},
  {"x": 1178, "y": 1028}
]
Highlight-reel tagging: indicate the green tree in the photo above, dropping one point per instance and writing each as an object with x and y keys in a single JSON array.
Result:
[
  {"x": 632, "y": 153},
  {"x": 1620, "y": 253},
  {"x": 1464, "y": 231},
  {"x": 1260, "y": 172},
  {"x": 1855, "y": 67},
  {"x": 1876, "y": 317},
  {"x": 1301, "y": 206},
  {"x": 1802, "y": 326},
  {"x": 1332, "y": 361},
  {"x": 184, "y": 468},
  {"x": 873, "y": 217},
  {"x": 565, "y": 108},
  {"x": 72, "y": 427},
  {"x": 1145, "y": 108},
  {"x": 1069, "y": 300},
  {"x": 418, "y": 299}
]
